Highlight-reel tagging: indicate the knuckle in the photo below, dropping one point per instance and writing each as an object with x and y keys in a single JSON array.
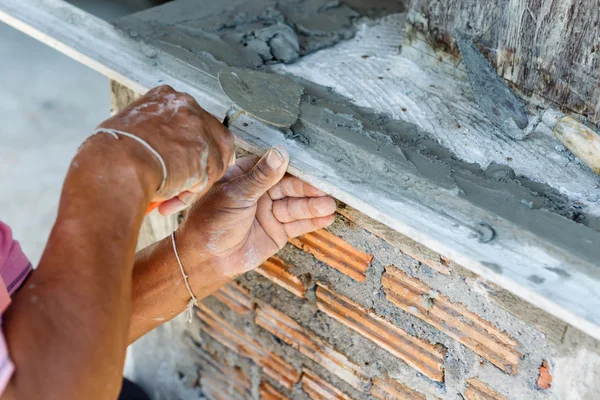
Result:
[
  {"x": 260, "y": 172},
  {"x": 289, "y": 209},
  {"x": 311, "y": 208},
  {"x": 186, "y": 97},
  {"x": 163, "y": 89}
]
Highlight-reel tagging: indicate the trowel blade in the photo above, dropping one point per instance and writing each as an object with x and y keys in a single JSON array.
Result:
[
  {"x": 502, "y": 107},
  {"x": 271, "y": 98}
]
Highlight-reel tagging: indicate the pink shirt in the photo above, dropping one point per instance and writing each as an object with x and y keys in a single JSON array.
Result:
[{"x": 14, "y": 269}]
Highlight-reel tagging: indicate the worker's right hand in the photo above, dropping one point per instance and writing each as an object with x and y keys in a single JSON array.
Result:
[{"x": 196, "y": 147}]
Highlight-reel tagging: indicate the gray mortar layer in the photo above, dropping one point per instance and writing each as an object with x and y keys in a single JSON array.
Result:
[
  {"x": 372, "y": 148},
  {"x": 249, "y": 34},
  {"x": 460, "y": 364}
]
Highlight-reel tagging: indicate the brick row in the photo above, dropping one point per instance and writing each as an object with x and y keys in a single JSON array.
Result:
[
  {"x": 477, "y": 390},
  {"x": 272, "y": 365},
  {"x": 235, "y": 297},
  {"x": 318, "y": 388},
  {"x": 268, "y": 392},
  {"x": 421, "y": 355},
  {"x": 310, "y": 345},
  {"x": 336, "y": 253},
  {"x": 222, "y": 381},
  {"x": 398, "y": 240},
  {"x": 391, "y": 389},
  {"x": 277, "y": 271},
  {"x": 455, "y": 320}
]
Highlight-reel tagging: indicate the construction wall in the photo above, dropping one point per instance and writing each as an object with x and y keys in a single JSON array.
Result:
[{"x": 358, "y": 311}]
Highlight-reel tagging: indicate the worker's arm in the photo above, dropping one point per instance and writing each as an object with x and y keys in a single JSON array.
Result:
[
  {"x": 68, "y": 326},
  {"x": 242, "y": 221}
]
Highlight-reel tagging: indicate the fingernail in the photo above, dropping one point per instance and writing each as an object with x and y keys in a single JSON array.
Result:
[
  {"x": 275, "y": 159},
  {"x": 233, "y": 158},
  {"x": 324, "y": 205}
]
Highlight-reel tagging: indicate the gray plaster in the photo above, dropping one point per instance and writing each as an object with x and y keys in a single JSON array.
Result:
[
  {"x": 493, "y": 95},
  {"x": 268, "y": 97},
  {"x": 415, "y": 171},
  {"x": 373, "y": 148},
  {"x": 251, "y": 33}
]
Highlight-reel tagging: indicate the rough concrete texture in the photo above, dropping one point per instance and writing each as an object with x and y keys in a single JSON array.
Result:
[
  {"x": 573, "y": 357},
  {"x": 441, "y": 144},
  {"x": 252, "y": 33},
  {"x": 369, "y": 71},
  {"x": 391, "y": 128}
]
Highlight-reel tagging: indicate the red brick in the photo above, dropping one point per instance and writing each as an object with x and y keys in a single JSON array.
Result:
[
  {"x": 318, "y": 388},
  {"x": 544, "y": 381},
  {"x": 268, "y": 392},
  {"x": 220, "y": 380},
  {"x": 391, "y": 389},
  {"x": 336, "y": 253},
  {"x": 477, "y": 390},
  {"x": 277, "y": 271},
  {"x": 464, "y": 326},
  {"x": 311, "y": 346},
  {"x": 235, "y": 297},
  {"x": 417, "y": 353},
  {"x": 398, "y": 240},
  {"x": 272, "y": 365}
]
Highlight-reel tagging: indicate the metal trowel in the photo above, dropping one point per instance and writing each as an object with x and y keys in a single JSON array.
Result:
[
  {"x": 506, "y": 111},
  {"x": 268, "y": 97}
]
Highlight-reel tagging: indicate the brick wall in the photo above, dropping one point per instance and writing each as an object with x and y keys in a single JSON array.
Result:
[{"x": 359, "y": 311}]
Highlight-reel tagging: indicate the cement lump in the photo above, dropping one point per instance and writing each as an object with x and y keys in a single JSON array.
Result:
[
  {"x": 252, "y": 33},
  {"x": 368, "y": 147}
]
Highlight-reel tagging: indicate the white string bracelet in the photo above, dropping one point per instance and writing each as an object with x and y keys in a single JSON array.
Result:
[
  {"x": 115, "y": 133},
  {"x": 193, "y": 300}
]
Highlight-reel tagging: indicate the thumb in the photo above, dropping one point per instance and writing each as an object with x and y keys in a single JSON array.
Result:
[{"x": 264, "y": 175}]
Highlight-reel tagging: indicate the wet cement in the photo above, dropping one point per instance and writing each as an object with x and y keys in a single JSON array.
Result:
[
  {"x": 249, "y": 34},
  {"x": 389, "y": 154}
]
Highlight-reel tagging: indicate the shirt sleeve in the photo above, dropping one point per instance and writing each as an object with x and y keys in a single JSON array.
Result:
[{"x": 14, "y": 269}]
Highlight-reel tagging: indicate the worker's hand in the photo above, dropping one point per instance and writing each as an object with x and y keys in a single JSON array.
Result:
[
  {"x": 196, "y": 147},
  {"x": 250, "y": 214}
]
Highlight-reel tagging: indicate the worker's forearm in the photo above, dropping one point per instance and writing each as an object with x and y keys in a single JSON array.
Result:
[
  {"x": 159, "y": 292},
  {"x": 67, "y": 328}
]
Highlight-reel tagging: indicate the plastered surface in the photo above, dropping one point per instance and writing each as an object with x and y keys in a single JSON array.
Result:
[{"x": 412, "y": 140}]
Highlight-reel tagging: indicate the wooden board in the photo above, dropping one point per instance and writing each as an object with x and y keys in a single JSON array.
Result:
[
  {"x": 550, "y": 48},
  {"x": 433, "y": 216}
]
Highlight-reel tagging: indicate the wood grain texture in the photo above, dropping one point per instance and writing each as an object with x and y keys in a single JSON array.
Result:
[{"x": 551, "y": 48}]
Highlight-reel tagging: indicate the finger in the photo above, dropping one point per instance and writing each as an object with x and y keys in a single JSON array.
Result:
[
  {"x": 273, "y": 228},
  {"x": 178, "y": 203},
  {"x": 303, "y": 226},
  {"x": 242, "y": 166},
  {"x": 291, "y": 186},
  {"x": 220, "y": 153},
  {"x": 290, "y": 209},
  {"x": 265, "y": 174}
]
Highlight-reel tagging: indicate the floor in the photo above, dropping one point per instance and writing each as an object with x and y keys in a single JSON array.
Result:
[{"x": 48, "y": 105}]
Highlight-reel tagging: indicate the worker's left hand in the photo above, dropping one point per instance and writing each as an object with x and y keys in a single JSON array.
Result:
[{"x": 250, "y": 214}]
